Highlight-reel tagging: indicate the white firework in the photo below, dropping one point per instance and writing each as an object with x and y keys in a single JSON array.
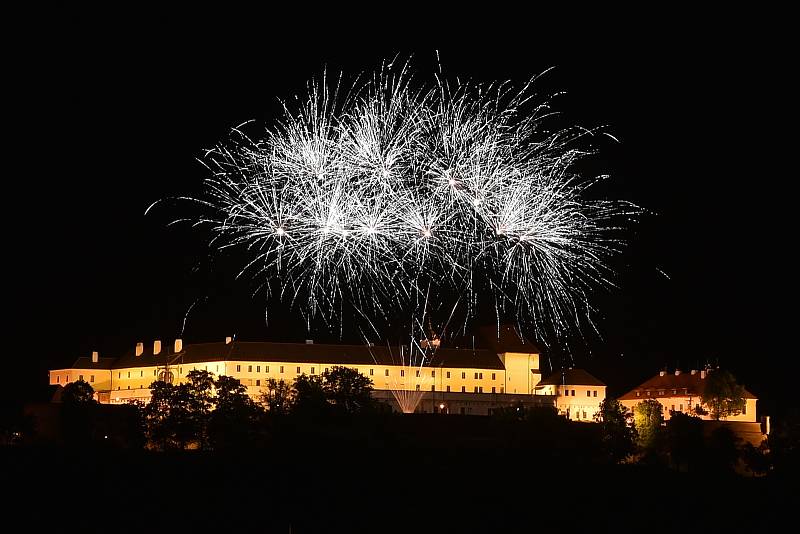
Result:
[{"x": 393, "y": 193}]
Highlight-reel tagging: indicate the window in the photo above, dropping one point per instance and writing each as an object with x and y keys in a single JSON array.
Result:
[
  {"x": 154, "y": 372},
  {"x": 238, "y": 368},
  {"x": 281, "y": 368},
  {"x": 674, "y": 391},
  {"x": 480, "y": 375},
  {"x": 594, "y": 393},
  {"x": 129, "y": 387},
  {"x": 744, "y": 409},
  {"x": 385, "y": 372},
  {"x": 249, "y": 368},
  {"x": 371, "y": 372},
  {"x": 661, "y": 392},
  {"x": 448, "y": 374},
  {"x": 680, "y": 406},
  {"x": 463, "y": 389},
  {"x": 448, "y": 389},
  {"x": 298, "y": 369},
  {"x": 637, "y": 393},
  {"x": 493, "y": 389},
  {"x": 417, "y": 372},
  {"x": 326, "y": 369},
  {"x": 673, "y": 408},
  {"x": 573, "y": 392},
  {"x": 493, "y": 377},
  {"x": 476, "y": 376},
  {"x": 433, "y": 388},
  {"x": 312, "y": 370},
  {"x": 433, "y": 374},
  {"x": 463, "y": 375},
  {"x": 402, "y": 372},
  {"x": 258, "y": 368},
  {"x": 417, "y": 387},
  {"x": 129, "y": 374},
  {"x": 502, "y": 389},
  {"x": 588, "y": 393},
  {"x": 266, "y": 368},
  {"x": 91, "y": 378},
  {"x": 141, "y": 374},
  {"x": 584, "y": 415},
  {"x": 258, "y": 382},
  {"x": 476, "y": 389},
  {"x": 480, "y": 389},
  {"x": 58, "y": 379}
]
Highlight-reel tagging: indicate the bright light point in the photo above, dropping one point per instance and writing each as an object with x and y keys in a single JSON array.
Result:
[
  {"x": 451, "y": 181},
  {"x": 426, "y": 233},
  {"x": 501, "y": 230},
  {"x": 371, "y": 230},
  {"x": 476, "y": 202},
  {"x": 280, "y": 231}
]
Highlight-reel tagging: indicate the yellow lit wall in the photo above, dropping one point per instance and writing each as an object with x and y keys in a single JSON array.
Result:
[
  {"x": 579, "y": 403},
  {"x": 686, "y": 404}
]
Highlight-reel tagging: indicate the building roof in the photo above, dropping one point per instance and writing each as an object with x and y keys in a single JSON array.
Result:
[
  {"x": 292, "y": 352},
  {"x": 663, "y": 386},
  {"x": 87, "y": 363},
  {"x": 571, "y": 377},
  {"x": 506, "y": 338}
]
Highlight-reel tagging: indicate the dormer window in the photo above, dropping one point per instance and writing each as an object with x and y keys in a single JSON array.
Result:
[{"x": 637, "y": 393}]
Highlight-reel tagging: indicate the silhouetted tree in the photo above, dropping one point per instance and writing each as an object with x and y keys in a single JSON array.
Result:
[
  {"x": 77, "y": 411},
  {"x": 169, "y": 417},
  {"x": 618, "y": 436},
  {"x": 784, "y": 444},
  {"x": 277, "y": 397},
  {"x": 648, "y": 418},
  {"x": 349, "y": 390},
  {"x": 684, "y": 440},
  {"x": 310, "y": 397},
  {"x": 722, "y": 395},
  {"x": 235, "y": 421},
  {"x": 199, "y": 391}
]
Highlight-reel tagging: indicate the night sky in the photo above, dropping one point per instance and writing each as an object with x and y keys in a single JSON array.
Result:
[{"x": 110, "y": 111}]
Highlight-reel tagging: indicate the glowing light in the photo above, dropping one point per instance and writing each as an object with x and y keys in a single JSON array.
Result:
[{"x": 373, "y": 165}]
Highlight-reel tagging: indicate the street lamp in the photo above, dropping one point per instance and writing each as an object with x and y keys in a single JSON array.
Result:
[{"x": 441, "y": 407}]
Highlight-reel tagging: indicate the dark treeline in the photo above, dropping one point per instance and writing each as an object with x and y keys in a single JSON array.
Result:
[{"x": 319, "y": 455}]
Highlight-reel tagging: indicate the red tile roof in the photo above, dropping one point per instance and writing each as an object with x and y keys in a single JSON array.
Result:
[
  {"x": 296, "y": 352},
  {"x": 693, "y": 385}
]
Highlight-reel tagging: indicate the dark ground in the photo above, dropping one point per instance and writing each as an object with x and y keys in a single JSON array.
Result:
[{"x": 383, "y": 480}]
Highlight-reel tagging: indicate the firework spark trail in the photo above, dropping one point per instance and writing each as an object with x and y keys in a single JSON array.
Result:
[{"x": 367, "y": 196}]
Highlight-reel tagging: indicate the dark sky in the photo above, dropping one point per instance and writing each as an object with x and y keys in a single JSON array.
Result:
[{"x": 111, "y": 109}]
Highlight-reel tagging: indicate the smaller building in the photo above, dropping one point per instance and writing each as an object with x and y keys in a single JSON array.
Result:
[
  {"x": 577, "y": 393},
  {"x": 681, "y": 392}
]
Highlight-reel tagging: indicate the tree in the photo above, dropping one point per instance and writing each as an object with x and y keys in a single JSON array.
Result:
[
  {"x": 78, "y": 392},
  {"x": 723, "y": 448},
  {"x": 723, "y": 396},
  {"x": 234, "y": 423},
  {"x": 684, "y": 440},
  {"x": 618, "y": 434},
  {"x": 310, "y": 396},
  {"x": 648, "y": 418},
  {"x": 199, "y": 391},
  {"x": 278, "y": 397},
  {"x": 77, "y": 411},
  {"x": 171, "y": 422},
  {"x": 348, "y": 390}
]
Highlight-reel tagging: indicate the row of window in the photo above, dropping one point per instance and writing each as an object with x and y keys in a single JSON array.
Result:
[
  {"x": 571, "y": 393},
  {"x": 66, "y": 379},
  {"x": 662, "y": 392},
  {"x": 478, "y": 375}
]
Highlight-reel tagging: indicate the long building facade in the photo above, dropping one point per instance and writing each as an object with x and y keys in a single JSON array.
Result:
[{"x": 462, "y": 381}]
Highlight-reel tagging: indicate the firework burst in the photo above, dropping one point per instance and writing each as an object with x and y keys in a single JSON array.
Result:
[{"x": 390, "y": 194}]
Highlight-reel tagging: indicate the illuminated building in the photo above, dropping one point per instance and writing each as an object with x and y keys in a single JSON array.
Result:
[
  {"x": 680, "y": 392},
  {"x": 577, "y": 393},
  {"x": 456, "y": 380}
]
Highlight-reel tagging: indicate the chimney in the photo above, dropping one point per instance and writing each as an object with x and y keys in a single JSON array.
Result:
[
  {"x": 228, "y": 340},
  {"x": 662, "y": 373},
  {"x": 677, "y": 372},
  {"x": 178, "y": 345},
  {"x": 694, "y": 371},
  {"x": 309, "y": 341},
  {"x": 139, "y": 348},
  {"x": 95, "y": 357},
  {"x": 156, "y": 347},
  {"x": 702, "y": 374}
]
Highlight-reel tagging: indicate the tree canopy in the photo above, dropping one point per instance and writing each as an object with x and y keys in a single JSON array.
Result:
[
  {"x": 723, "y": 395},
  {"x": 648, "y": 418}
]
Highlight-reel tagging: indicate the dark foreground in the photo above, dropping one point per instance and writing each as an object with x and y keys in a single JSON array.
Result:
[{"x": 377, "y": 482}]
